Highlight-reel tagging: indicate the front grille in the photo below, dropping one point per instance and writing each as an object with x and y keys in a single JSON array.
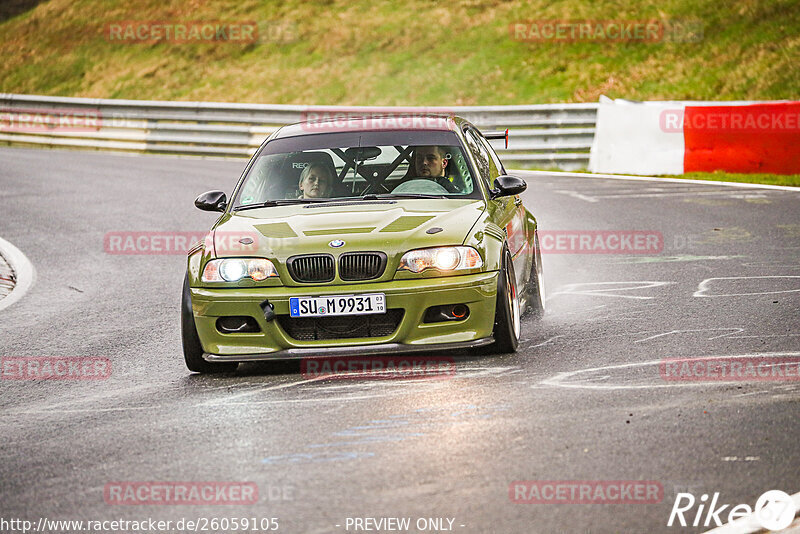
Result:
[
  {"x": 344, "y": 327},
  {"x": 311, "y": 268},
  {"x": 361, "y": 265}
]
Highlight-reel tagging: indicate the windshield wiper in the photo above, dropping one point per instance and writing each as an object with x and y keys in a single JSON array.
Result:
[
  {"x": 407, "y": 195},
  {"x": 290, "y": 201},
  {"x": 278, "y": 202}
]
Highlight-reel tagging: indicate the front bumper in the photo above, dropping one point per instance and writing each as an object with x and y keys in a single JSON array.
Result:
[{"x": 477, "y": 291}]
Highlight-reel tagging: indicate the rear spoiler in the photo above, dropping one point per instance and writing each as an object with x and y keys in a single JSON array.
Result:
[{"x": 497, "y": 135}]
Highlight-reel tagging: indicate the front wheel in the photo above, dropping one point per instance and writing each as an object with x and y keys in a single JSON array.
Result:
[
  {"x": 192, "y": 348},
  {"x": 507, "y": 316}
]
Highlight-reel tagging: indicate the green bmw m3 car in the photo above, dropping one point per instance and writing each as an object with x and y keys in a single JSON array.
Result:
[{"x": 363, "y": 237}]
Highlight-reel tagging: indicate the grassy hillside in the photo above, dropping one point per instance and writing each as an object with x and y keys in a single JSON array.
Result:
[{"x": 419, "y": 52}]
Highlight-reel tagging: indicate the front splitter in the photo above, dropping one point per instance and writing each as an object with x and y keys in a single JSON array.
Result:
[{"x": 357, "y": 350}]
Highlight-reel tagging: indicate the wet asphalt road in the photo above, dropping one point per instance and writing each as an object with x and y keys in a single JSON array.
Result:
[{"x": 582, "y": 399}]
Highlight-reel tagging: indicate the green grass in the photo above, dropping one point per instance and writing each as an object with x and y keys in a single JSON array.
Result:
[
  {"x": 420, "y": 52},
  {"x": 417, "y": 53}
]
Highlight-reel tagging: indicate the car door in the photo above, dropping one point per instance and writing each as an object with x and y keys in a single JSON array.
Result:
[
  {"x": 519, "y": 236},
  {"x": 506, "y": 212}
]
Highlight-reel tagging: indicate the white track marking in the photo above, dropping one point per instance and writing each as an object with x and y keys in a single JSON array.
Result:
[
  {"x": 253, "y": 391},
  {"x": 661, "y": 180},
  {"x": 702, "y": 287},
  {"x": 89, "y": 410},
  {"x": 577, "y": 195},
  {"x": 751, "y": 393},
  {"x": 24, "y": 270},
  {"x": 300, "y": 401},
  {"x": 234, "y": 399},
  {"x": 542, "y": 344},
  {"x": 582, "y": 310},
  {"x": 730, "y": 334},
  {"x": 569, "y": 289},
  {"x": 669, "y": 194},
  {"x": 558, "y": 379},
  {"x": 735, "y": 331},
  {"x": 618, "y": 190},
  {"x": 633, "y": 260},
  {"x": 471, "y": 372},
  {"x": 584, "y": 339},
  {"x": 427, "y": 381}
]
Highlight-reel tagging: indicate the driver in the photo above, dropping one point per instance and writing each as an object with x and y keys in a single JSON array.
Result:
[
  {"x": 430, "y": 161},
  {"x": 316, "y": 181}
]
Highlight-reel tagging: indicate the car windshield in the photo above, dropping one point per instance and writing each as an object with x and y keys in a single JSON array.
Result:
[{"x": 318, "y": 168}]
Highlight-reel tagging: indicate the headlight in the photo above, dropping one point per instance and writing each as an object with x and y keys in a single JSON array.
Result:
[
  {"x": 441, "y": 258},
  {"x": 234, "y": 269}
]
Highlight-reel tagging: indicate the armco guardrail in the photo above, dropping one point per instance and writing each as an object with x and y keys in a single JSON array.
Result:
[{"x": 547, "y": 135}]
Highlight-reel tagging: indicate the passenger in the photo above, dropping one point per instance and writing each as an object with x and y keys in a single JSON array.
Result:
[
  {"x": 316, "y": 181},
  {"x": 430, "y": 161}
]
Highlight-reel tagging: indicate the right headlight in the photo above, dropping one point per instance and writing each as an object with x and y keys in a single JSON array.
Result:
[
  {"x": 445, "y": 259},
  {"x": 234, "y": 269}
]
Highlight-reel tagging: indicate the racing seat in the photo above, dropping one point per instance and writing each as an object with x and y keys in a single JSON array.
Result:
[{"x": 295, "y": 163}]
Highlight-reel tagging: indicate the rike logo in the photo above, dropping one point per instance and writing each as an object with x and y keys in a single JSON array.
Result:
[{"x": 774, "y": 510}]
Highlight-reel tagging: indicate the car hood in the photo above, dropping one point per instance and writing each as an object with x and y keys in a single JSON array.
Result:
[{"x": 392, "y": 227}]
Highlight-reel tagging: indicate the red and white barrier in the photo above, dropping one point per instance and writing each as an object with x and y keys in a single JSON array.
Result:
[
  {"x": 629, "y": 139},
  {"x": 676, "y": 137}
]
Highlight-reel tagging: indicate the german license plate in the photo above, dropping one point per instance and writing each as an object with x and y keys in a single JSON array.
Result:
[{"x": 337, "y": 305}]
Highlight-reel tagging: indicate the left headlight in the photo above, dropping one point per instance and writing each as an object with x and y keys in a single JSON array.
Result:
[
  {"x": 444, "y": 259},
  {"x": 234, "y": 269}
]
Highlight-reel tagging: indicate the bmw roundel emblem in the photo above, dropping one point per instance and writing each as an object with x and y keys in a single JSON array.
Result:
[{"x": 336, "y": 243}]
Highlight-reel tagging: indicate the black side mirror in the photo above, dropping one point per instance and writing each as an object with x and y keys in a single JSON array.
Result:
[
  {"x": 211, "y": 201},
  {"x": 506, "y": 186}
]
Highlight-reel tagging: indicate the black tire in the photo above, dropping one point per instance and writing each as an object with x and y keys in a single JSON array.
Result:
[
  {"x": 507, "y": 316},
  {"x": 192, "y": 348},
  {"x": 535, "y": 287}
]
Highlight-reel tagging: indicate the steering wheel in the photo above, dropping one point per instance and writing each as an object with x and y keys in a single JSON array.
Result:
[
  {"x": 447, "y": 184},
  {"x": 424, "y": 186}
]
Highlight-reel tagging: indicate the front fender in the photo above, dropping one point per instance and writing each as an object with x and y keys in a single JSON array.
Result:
[{"x": 488, "y": 239}]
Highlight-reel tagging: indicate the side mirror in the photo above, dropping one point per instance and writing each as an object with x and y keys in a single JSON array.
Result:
[
  {"x": 211, "y": 201},
  {"x": 506, "y": 186}
]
